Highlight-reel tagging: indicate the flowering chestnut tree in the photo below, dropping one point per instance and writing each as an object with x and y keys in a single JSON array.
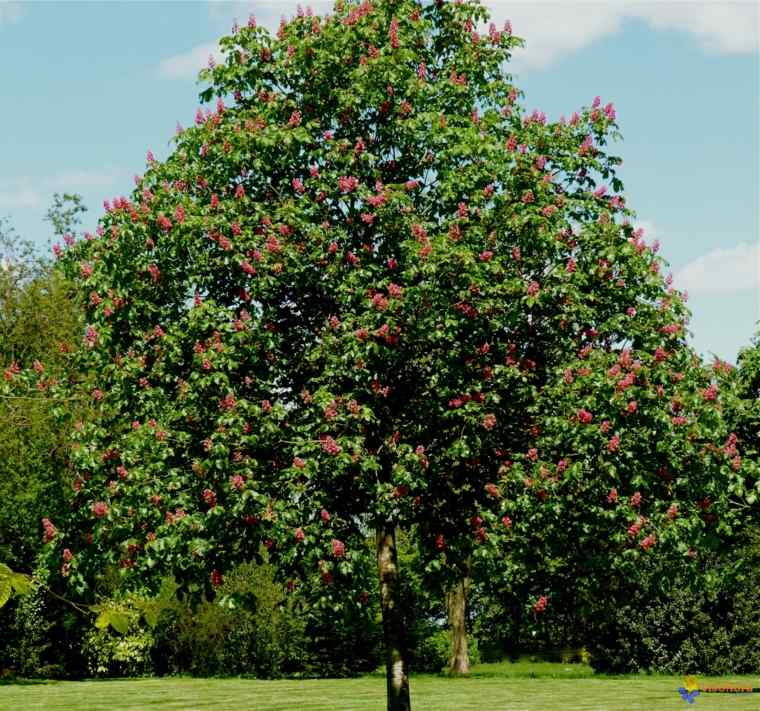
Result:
[
  {"x": 633, "y": 455},
  {"x": 329, "y": 311}
]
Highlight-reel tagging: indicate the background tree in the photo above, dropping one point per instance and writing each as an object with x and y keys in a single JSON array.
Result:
[
  {"x": 635, "y": 442},
  {"x": 38, "y": 323},
  {"x": 743, "y": 407},
  {"x": 328, "y": 312}
]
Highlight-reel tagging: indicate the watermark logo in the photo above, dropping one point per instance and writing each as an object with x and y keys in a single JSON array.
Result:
[{"x": 691, "y": 689}]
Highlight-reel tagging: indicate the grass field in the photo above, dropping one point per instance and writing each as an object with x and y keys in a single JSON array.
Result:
[{"x": 492, "y": 687}]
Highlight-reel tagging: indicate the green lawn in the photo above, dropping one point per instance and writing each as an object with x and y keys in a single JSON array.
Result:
[{"x": 511, "y": 687}]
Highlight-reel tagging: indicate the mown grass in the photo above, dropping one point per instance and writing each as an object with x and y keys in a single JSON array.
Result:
[{"x": 521, "y": 686}]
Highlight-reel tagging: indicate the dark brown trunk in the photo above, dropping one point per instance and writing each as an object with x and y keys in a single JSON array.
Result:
[
  {"x": 396, "y": 662},
  {"x": 456, "y": 603}
]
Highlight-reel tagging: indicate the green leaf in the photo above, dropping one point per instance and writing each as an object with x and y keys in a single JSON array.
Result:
[
  {"x": 5, "y": 591},
  {"x": 103, "y": 620},
  {"x": 150, "y": 613},
  {"x": 22, "y": 584},
  {"x": 119, "y": 621}
]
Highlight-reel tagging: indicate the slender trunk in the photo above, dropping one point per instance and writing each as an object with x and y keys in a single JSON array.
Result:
[
  {"x": 396, "y": 661},
  {"x": 456, "y": 602}
]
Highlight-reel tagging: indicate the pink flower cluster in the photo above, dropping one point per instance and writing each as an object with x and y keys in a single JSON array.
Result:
[
  {"x": 100, "y": 509},
  {"x": 348, "y": 183},
  {"x": 489, "y": 421},
  {"x": 50, "y": 531},
  {"x": 635, "y": 528},
  {"x": 584, "y": 417},
  {"x": 329, "y": 445},
  {"x": 710, "y": 393}
]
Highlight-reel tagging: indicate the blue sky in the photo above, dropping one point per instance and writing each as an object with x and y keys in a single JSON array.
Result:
[{"x": 88, "y": 88}]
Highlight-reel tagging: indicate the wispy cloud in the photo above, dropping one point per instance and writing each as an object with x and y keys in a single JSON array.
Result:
[
  {"x": 554, "y": 28},
  {"x": 188, "y": 64},
  {"x": 10, "y": 12},
  {"x": 722, "y": 27},
  {"x": 27, "y": 192},
  {"x": 721, "y": 271}
]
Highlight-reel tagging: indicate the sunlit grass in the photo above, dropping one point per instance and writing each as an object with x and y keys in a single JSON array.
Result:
[{"x": 521, "y": 686}]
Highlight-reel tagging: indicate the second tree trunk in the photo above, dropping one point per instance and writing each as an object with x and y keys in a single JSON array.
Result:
[{"x": 456, "y": 603}]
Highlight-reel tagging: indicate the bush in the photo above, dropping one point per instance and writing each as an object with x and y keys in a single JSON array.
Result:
[
  {"x": 269, "y": 634},
  {"x": 343, "y": 642},
  {"x": 263, "y": 636},
  {"x": 41, "y": 637},
  {"x": 432, "y": 653},
  {"x": 685, "y": 630},
  {"x": 111, "y": 654}
]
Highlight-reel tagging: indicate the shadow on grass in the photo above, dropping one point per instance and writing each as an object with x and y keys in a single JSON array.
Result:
[{"x": 13, "y": 681}]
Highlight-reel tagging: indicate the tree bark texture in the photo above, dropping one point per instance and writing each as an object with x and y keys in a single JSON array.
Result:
[
  {"x": 396, "y": 660},
  {"x": 456, "y": 603}
]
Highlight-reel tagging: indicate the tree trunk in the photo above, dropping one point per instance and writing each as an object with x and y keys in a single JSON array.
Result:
[
  {"x": 456, "y": 603},
  {"x": 396, "y": 661}
]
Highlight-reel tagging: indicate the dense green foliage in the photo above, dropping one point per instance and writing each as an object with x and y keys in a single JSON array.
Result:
[
  {"x": 269, "y": 634},
  {"x": 38, "y": 321},
  {"x": 714, "y": 629}
]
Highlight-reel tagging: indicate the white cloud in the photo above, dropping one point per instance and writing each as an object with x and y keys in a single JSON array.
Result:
[
  {"x": 723, "y": 27},
  {"x": 553, "y": 28},
  {"x": 188, "y": 64},
  {"x": 27, "y": 192},
  {"x": 10, "y": 12},
  {"x": 721, "y": 271}
]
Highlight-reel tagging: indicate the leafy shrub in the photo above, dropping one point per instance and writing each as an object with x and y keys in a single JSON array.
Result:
[
  {"x": 41, "y": 637},
  {"x": 111, "y": 654},
  {"x": 343, "y": 642},
  {"x": 31, "y": 626},
  {"x": 692, "y": 629},
  {"x": 262, "y": 635},
  {"x": 432, "y": 653}
]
